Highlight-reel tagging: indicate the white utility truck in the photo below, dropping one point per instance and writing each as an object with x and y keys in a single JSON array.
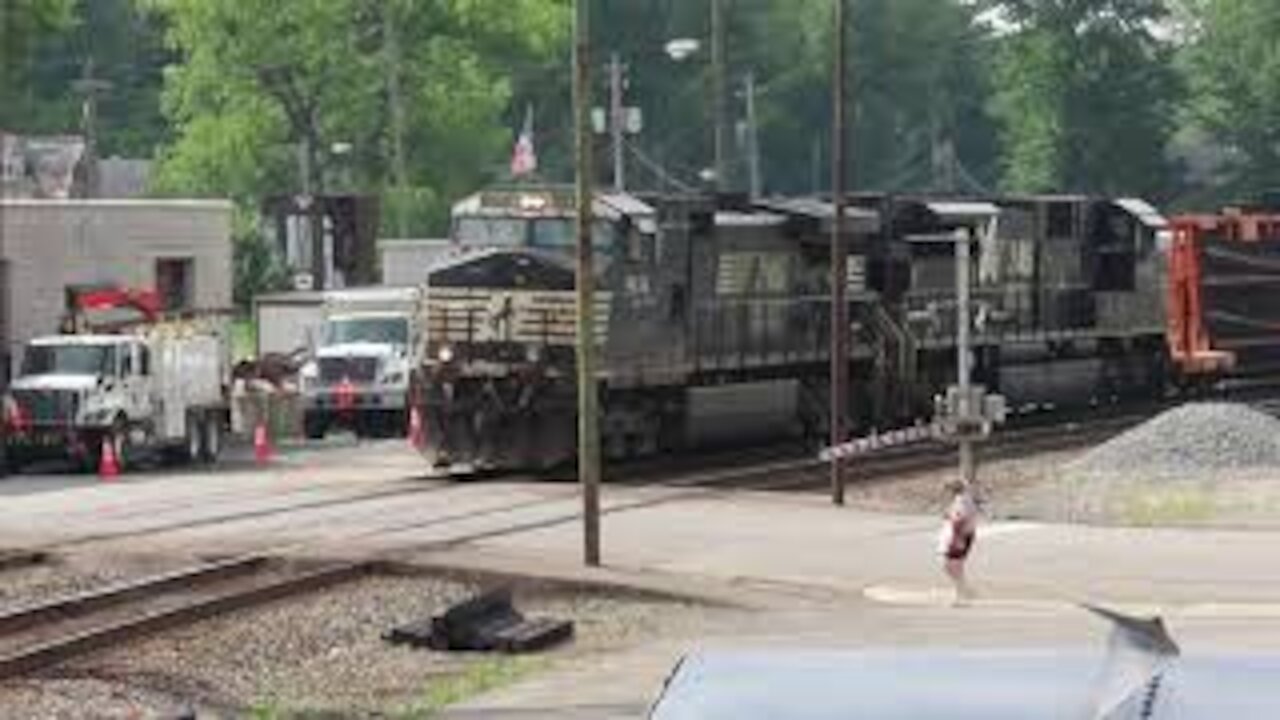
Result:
[
  {"x": 151, "y": 386},
  {"x": 358, "y": 377}
]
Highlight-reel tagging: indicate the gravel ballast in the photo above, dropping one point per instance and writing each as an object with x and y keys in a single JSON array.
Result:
[
  {"x": 1210, "y": 464},
  {"x": 321, "y": 654},
  {"x": 1193, "y": 438}
]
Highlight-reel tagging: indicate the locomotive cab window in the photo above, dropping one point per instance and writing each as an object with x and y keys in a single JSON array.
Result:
[
  {"x": 491, "y": 232},
  {"x": 562, "y": 233},
  {"x": 1114, "y": 239}
]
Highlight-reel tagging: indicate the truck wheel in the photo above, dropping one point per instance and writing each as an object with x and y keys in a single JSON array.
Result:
[
  {"x": 211, "y": 439},
  {"x": 194, "y": 441},
  {"x": 315, "y": 426}
]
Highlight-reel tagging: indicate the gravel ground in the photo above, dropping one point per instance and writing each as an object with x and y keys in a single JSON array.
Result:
[
  {"x": 1193, "y": 438},
  {"x": 923, "y": 493},
  {"x": 1201, "y": 464},
  {"x": 320, "y": 656},
  {"x": 66, "y": 575}
]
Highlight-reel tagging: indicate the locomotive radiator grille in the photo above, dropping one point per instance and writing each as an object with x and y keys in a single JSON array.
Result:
[{"x": 523, "y": 317}]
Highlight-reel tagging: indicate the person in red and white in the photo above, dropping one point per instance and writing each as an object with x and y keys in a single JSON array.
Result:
[{"x": 955, "y": 541}]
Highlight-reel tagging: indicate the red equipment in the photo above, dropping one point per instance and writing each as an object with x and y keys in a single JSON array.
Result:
[
  {"x": 81, "y": 300},
  {"x": 262, "y": 449},
  {"x": 108, "y": 464},
  {"x": 1223, "y": 306}
]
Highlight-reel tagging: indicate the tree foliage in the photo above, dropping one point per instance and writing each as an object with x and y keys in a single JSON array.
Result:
[
  {"x": 260, "y": 78},
  {"x": 1086, "y": 95},
  {"x": 1234, "y": 71},
  {"x": 917, "y": 82},
  {"x": 23, "y": 24}
]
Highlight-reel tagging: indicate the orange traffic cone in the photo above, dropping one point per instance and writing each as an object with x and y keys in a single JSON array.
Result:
[
  {"x": 261, "y": 443},
  {"x": 108, "y": 463},
  {"x": 417, "y": 432}
]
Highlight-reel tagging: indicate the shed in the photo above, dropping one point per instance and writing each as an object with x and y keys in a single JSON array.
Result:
[{"x": 407, "y": 262}]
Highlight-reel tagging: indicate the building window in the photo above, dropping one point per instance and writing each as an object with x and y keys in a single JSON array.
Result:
[{"x": 174, "y": 278}]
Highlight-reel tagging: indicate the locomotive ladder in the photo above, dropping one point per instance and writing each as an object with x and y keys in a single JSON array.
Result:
[{"x": 896, "y": 358}]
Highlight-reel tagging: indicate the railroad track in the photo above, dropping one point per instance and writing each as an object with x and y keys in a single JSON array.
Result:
[
  {"x": 45, "y": 634},
  {"x": 50, "y": 633}
]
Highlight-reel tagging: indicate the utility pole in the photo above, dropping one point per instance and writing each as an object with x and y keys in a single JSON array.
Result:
[
  {"x": 753, "y": 137},
  {"x": 617, "y": 123},
  {"x": 964, "y": 355},
  {"x": 395, "y": 94},
  {"x": 839, "y": 261},
  {"x": 588, "y": 410},
  {"x": 718, "y": 92},
  {"x": 90, "y": 87}
]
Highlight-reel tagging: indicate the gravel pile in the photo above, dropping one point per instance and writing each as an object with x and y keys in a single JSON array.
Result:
[
  {"x": 321, "y": 656},
  {"x": 1208, "y": 464},
  {"x": 1191, "y": 438}
]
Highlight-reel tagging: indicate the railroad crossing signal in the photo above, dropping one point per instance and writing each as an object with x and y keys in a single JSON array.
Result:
[{"x": 954, "y": 421}]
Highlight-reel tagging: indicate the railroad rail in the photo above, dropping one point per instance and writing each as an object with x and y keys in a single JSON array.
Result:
[{"x": 48, "y": 633}]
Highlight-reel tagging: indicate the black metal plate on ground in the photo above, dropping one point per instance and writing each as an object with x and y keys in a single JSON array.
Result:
[{"x": 485, "y": 623}]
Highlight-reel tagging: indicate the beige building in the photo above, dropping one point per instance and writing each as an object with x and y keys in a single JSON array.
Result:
[{"x": 180, "y": 247}]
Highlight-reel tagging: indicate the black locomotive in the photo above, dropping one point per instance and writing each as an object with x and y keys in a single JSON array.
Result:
[{"x": 713, "y": 317}]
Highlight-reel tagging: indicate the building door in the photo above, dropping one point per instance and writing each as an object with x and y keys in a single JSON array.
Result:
[{"x": 174, "y": 279}]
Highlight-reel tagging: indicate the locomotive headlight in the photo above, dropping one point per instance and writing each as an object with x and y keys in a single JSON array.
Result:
[{"x": 445, "y": 354}]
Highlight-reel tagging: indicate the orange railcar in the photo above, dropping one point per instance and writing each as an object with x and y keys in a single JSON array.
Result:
[{"x": 1224, "y": 293}]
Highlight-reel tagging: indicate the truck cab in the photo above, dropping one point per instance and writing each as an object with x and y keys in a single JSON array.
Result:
[{"x": 358, "y": 377}]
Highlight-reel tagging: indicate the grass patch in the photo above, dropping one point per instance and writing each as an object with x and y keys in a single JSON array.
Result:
[
  {"x": 1167, "y": 507},
  {"x": 244, "y": 339},
  {"x": 483, "y": 677}
]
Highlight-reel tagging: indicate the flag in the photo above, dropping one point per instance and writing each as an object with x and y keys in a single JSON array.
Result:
[{"x": 524, "y": 159}]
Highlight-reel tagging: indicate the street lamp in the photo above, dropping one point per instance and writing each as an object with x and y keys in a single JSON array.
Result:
[{"x": 681, "y": 49}]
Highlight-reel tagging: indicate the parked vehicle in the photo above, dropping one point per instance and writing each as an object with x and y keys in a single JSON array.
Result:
[
  {"x": 358, "y": 377},
  {"x": 155, "y": 385}
]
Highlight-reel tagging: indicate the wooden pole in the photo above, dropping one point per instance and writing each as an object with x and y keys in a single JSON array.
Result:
[
  {"x": 588, "y": 410},
  {"x": 720, "y": 112},
  {"x": 839, "y": 260}
]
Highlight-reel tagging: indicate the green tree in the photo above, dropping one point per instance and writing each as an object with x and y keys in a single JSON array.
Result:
[
  {"x": 919, "y": 83},
  {"x": 23, "y": 24},
  {"x": 260, "y": 78},
  {"x": 1233, "y": 66},
  {"x": 1086, "y": 95},
  {"x": 125, "y": 47}
]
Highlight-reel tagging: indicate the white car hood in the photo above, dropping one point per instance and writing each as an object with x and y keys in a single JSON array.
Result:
[{"x": 55, "y": 382}]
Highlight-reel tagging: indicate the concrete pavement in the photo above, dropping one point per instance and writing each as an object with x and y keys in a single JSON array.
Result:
[{"x": 811, "y": 573}]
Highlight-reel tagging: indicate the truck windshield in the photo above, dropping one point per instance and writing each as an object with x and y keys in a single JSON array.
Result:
[
  {"x": 394, "y": 331},
  {"x": 68, "y": 360}
]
